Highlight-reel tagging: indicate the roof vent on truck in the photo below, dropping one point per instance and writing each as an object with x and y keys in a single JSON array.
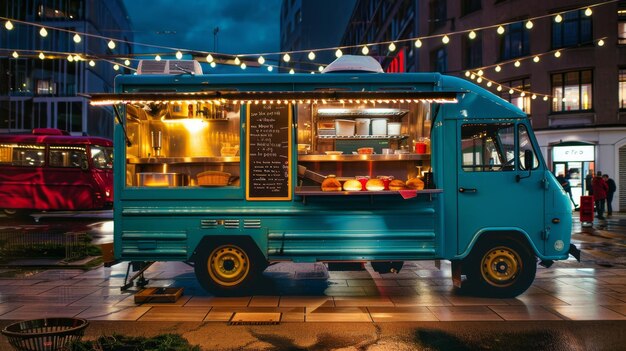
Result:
[
  {"x": 169, "y": 67},
  {"x": 354, "y": 63}
]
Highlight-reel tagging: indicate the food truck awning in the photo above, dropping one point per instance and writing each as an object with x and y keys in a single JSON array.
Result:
[{"x": 273, "y": 97}]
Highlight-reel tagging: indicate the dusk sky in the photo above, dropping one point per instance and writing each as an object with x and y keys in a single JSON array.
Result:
[{"x": 245, "y": 26}]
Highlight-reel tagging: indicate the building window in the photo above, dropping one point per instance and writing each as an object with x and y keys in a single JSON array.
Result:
[
  {"x": 574, "y": 29},
  {"x": 470, "y": 6},
  {"x": 438, "y": 14},
  {"x": 572, "y": 91},
  {"x": 622, "y": 88},
  {"x": 472, "y": 52},
  {"x": 46, "y": 87},
  {"x": 439, "y": 59},
  {"x": 621, "y": 23},
  {"x": 517, "y": 92},
  {"x": 515, "y": 42}
]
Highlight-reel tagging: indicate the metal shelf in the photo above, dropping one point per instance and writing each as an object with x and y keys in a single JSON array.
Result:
[
  {"x": 356, "y": 158},
  {"x": 175, "y": 160}
]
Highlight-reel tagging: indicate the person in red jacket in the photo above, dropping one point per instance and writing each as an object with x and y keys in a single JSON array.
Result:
[{"x": 600, "y": 188}]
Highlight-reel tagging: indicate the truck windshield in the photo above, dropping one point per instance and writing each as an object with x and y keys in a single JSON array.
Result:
[{"x": 488, "y": 147}]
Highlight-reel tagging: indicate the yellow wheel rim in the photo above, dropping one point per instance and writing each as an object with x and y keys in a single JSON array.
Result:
[
  {"x": 500, "y": 266},
  {"x": 228, "y": 265}
]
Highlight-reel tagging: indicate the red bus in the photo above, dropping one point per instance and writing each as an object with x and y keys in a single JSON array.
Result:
[{"x": 51, "y": 170}]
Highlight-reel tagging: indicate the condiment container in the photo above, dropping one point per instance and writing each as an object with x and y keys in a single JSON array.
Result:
[
  {"x": 362, "y": 126},
  {"x": 379, "y": 126},
  {"x": 344, "y": 127},
  {"x": 393, "y": 128}
]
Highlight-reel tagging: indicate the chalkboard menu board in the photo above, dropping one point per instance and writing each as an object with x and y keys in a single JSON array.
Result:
[{"x": 268, "y": 138}]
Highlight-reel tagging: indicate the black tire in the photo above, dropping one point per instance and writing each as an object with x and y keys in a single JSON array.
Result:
[
  {"x": 503, "y": 267},
  {"x": 228, "y": 267},
  {"x": 387, "y": 266}
]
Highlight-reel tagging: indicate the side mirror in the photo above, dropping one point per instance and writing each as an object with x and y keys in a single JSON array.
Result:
[{"x": 529, "y": 160}]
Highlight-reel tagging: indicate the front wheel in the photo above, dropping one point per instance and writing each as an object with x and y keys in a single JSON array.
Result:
[
  {"x": 228, "y": 267},
  {"x": 500, "y": 268}
]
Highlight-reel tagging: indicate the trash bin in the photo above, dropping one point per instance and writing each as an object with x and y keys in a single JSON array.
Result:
[
  {"x": 586, "y": 209},
  {"x": 48, "y": 334}
]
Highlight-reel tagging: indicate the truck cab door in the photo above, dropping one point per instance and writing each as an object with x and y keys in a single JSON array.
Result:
[{"x": 495, "y": 190}]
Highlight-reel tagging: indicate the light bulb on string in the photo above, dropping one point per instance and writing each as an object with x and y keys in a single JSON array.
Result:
[
  {"x": 77, "y": 58},
  {"x": 43, "y": 32},
  {"x": 498, "y": 68},
  {"x": 116, "y": 67},
  {"x": 499, "y": 88},
  {"x": 237, "y": 61},
  {"x": 15, "y": 54},
  {"x": 557, "y": 54},
  {"x": 445, "y": 39},
  {"x": 472, "y": 35},
  {"x": 127, "y": 62},
  {"x": 92, "y": 63},
  {"x": 588, "y": 12},
  {"x": 558, "y": 18},
  {"x": 270, "y": 68},
  {"x": 320, "y": 68},
  {"x": 392, "y": 47},
  {"x": 529, "y": 24},
  {"x": 291, "y": 71},
  {"x": 545, "y": 98},
  {"x": 158, "y": 58},
  {"x": 500, "y": 30},
  {"x": 522, "y": 94},
  {"x": 467, "y": 73},
  {"x": 600, "y": 42},
  {"x": 70, "y": 58},
  {"x": 489, "y": 84},
  {"x": 511, "y": 91},
  {"x": 472, "y": 76},
  {"x": 479, "y": 80},
  {"x": 338, "y": 53},
  {"x": 111, "y": 44},
  {"x": 42, "y": 56},
  {"x": 480, "y": 72},
  {"x": 261, "y": 60},
  {"x": 418, "y": 43},
  {"x": 209, "y": 58},
  {"x": 286, "y": 57},
  {"x": 77, "y": 38},
  {"x": 179, "y": 55},
  {"x": 533, "y": 97},
  {"x": 8, "y": 25},
  {"x": 517, "y": 63},
  {"x": 536, "y": 59},
  {"x": 365, "y": 50},
  {"x": 213, "y": 64},
  {"x": 243, "y": 65},
  {"x": 311, "y": 56}
]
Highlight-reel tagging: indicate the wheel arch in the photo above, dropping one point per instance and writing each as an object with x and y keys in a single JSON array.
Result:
[{"x": 492, "y": 233}]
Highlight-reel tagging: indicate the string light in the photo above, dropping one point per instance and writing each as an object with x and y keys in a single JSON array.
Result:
[
  {"x": 545, "y": 98},
  {"x": 517, "y": 63},
  {"x": 15, "y": 54},
  {"x": 291, "y": 71},
  {"x": 557, "y": 54},
  {"x": 42, "y": 56},
  {"x": 320, "y": 68},
  {"x": 111, "y": 44},
  {"x": 237, "y": 61},
  {"x": 511, "y": 91},
  {"x": 243, "y": 65},
  {"x": 270, "y": 68},
  {"x": 498, "y": 68},
  {"x": 77, "y": 58},
  {"x": 500, "y": 30},
  {"x": 445, "y": 39},
  {"x": 43, "y": 32},
  {"x": 209, "y": 58},
  {"x": 467, "y": 73},
  {"x": 158, "y": 58},
  {"x": 286, "y": 57},
  {"x": 311, "y": 56},
  {"x": 588, "y": 12},
  {"x": 77, "y": 38},
  {"x": 480, "y": 72},
  {"x": 338, "y": 53},
  {"x": 418, "y": 43},
  {"x": 472, "y": 35},
  {"x": 92, "y": 63},
  {"x": 261, "y": 60},
  {"x": 116, "y": 67},
  {"x": 70, "y": 58},
  {"x": 365, "y": 50},
  {"x": 600, "y": 42},
  {"x": 499, "y": 88},
  {"x": 179, "y": 55},
  {"x": 529, "y": 24},
  {"x": 8, "y": 25},
  {"x": 536, "y": 59},
  {"x": 534, "y": 96},
  {"x": 213, "y": 64},
  {"x": 392, "y": 47},
  {"x": 127, "y": 62},
  {"x": 558, "y": 18}
]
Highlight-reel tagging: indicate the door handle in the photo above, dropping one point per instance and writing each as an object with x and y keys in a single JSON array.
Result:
[{"x": 467, "y": 190}]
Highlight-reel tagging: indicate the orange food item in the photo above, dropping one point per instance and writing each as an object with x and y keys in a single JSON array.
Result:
[
  {"x": 397, "y": 184},
  {"x": 352, "y": 185},
  {"x": 331, "y": 184},
  {"x": 375, "y": 185},
  {"x": 415, "y": 184}
]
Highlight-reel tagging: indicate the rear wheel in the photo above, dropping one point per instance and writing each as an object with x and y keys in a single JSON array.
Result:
[
  {"x": 502, "y": 268},
  {"x": 226, "y": 267}
]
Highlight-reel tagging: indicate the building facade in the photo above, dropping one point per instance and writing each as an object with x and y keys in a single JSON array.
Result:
[
  {"x": 576, "y": 101},
  {"x": 308, "y": 24},
  {"x": 47, "y": 93}
]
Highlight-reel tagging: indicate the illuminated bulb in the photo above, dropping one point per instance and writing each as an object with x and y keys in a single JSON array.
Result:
[
  {"x": 445, "y": 39},
  {"x": 365, "y": 50},
  {"x": 600, "y": 42},
  {"x": 500, "y": 30},
  {"x": 43, "y": 32},
  {"x": 261, "y": 60},
  {"x": 111, "y": 44},
  {"x": 557, "y": 54},
  {"x": 472, "y": 35},
  {"x": 42, "y": 56},
  {"x": 564, "y": 100},
  {"x": 77, "y": 58},
  {"x": 479, "y": 80},
  {"x": 8, "y": 25},
  {"x": 392, "y": 47},
  {"x": 588, "y": 12},
  {"x": 529, "y": 24},
  {"x": 311, "y": 56},
  {"x": 312, "y": 72},
  {"x": 338, "y": 53},
  {"x": 499, "y": 88},
  {"x": 15, "y": 54},
  {"x": 243, "y": 65},
  {"x": 70, "y": 58},
  {"x": 511, "y": 91},
  {"x": 320, "y": 68},
  {"x": 472, "y": 76},
  {"x": 92, "y": 63},
  {"x": 536, "y": 59},
  {"x": 237, "y": 61},
  {"x": 489, "y": 84},
  {"x": 291, "y": 71},
  {"x": 209, "y": 58},
  {"x": 127, "y": 62},
  {"x": 467, "y": 73},
  {"x": 418, "y": 43},
  {"x": 498, "y": 68},
  {"x": 213, "y": 64},
  {"x": 522, "y": 94},
  {"x": 558, "y": 18},
  {"x": 545, "y": 98},
  {"x": 533, "y": 97},
  {"x": 158, "y": 57},
  {"x": 77, "y": 38},
  {"x": 116, "y": 67},
  {"x": 270, "y": 68},
  {"x": 286, "y": 57},
  {"x": 480, "y": 72},
  {"x": 179, "y": 55},
  {"x": 517, "y": 63}
]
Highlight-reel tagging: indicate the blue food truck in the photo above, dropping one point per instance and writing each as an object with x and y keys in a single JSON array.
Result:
[{"x": 233, "y": 172}]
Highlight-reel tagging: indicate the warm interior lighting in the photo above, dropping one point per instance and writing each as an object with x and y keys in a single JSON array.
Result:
[{"x": 237, "y": 61}]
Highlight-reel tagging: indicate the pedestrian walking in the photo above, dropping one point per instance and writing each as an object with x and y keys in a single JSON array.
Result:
[
  {"x": 609, "y": 194},
  {"x": 564, "y": 181},
  {"x": 588, "y": 179},
  {"x": 600, "y": 188}
]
